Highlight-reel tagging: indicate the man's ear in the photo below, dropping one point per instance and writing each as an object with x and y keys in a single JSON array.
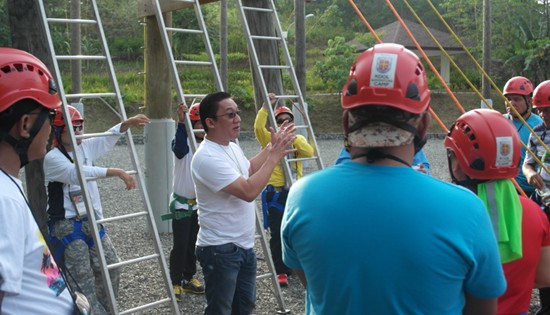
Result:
[
  {"x": 209, "y": 123},
  {"x": 423, "y": 124},
  {"x": 23, "y": 127}
]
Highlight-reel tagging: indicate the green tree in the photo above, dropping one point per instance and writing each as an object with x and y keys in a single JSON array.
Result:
[{"x": 334, "y": 68}]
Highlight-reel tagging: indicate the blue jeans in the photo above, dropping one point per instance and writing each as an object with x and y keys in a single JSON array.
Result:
[{"x": 230, "y": 279}]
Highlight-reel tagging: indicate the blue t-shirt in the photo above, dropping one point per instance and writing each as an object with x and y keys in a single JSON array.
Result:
[
  {"x": 376, "y": 239},
  {"x": 524, "y": 133}
]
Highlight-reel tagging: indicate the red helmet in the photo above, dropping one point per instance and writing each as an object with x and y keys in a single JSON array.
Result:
[
  {"x": 283, "y": 110},
  {"x": 390, "y": 75},
  {"x": 518, "y": 85},
  {"x": 73, "y": 112},
  {"x": 194, "y": 113},
  {"x": 486, "y": 145},
  {"x": 23, "y": 76},
  {"x": 541, "y": 96}
]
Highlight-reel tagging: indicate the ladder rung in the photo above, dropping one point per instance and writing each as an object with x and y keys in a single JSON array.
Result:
[
  {"x": 302, "y": 159},
  {"x": 81, "y": 57},
  {"x": 121, "y": 217},
  {"x": 195, "y": 95},
  {"x": 287, "y": 96},
  {"x": 266, "y": 37},
  {"x": 145, "y": 306},
  {"x": 195, "y": 63},
  {"x": 96, "y": 135},
  {"x": 274, "y": 67},
  {"x": 184, "y": 30},
  {"x": 263, "y": 276},
  {"x": 257, "y": 9},
  {"x": 132, "y": 261},
  {"x": 74, "y": 21},
  {"x": 90, "y": 95}
]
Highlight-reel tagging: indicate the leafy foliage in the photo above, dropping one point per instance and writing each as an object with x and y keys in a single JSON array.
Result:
[{"x": 333, "y": 69}]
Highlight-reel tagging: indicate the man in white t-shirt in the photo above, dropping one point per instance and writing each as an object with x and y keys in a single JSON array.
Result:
[
  {"x": 227, "y": 183},
  {"x": 30, "y": 281}
]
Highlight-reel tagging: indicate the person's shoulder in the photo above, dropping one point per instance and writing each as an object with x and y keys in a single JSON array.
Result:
[
  {"x": 540, "y": 127},
  {"x": 535, "y": 119},
  {"x": 54, "y": 153}
]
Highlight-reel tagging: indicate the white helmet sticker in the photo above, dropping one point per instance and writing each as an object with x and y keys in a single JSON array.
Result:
[
  {"x": 505, "y": 149},
  {"x": 383, "y": 70}
]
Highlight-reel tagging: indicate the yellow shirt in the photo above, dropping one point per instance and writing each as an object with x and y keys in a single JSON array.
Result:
[{"x": 263, "y": 136}]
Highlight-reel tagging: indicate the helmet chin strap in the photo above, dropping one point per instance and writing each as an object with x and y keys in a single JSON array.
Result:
[
  {"x": 469, "y": 183},
  {"x": 21, "y": 147}
]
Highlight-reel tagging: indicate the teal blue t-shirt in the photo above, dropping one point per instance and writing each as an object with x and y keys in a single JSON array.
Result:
[{"x": 388, "y": 240}]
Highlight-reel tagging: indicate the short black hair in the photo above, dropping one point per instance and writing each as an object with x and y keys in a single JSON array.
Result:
[
  {"x": 209, "y": 106},
  {"x": 11, "y": 115}
]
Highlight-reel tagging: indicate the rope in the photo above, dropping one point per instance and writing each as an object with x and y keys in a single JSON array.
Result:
[{"x": 413, "y": 39}]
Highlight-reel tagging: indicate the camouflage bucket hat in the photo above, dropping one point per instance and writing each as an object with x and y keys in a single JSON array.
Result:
[{"x": 378, "y": 134}]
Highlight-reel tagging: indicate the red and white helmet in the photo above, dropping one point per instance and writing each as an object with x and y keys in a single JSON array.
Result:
[
  {"x": 59, "y": 121},
  {"x": 518, "y": 85},
  {"x": 541, "y": 96},
  {"x": 486, "y": 145},
  {"x": 23, "y": 76},
  {"x": 194, "y": 114},
  {"x": 389, "y": 75},
  {"x": 283, "y": 110}
]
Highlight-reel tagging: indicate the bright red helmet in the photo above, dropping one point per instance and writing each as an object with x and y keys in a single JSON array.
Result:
[
  {"x": 518, "y": 85},
  {"x": 194, "y": 114},
  {"x": 283, "y": 110},
  {"x": 23, "y": 76},
  {"x": 59, "y": 121},
  {"x": 486, "y": 145},
  {"x": 390, "y": 75},
  {"x": 541, "y": 96}
]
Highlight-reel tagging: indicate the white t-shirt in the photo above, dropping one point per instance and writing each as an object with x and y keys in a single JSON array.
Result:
[
  {"x": 57, "y": 168},
  {"x": 29, "y": 277},
  {"x": 183, "y": 181},
  {"x": 223, "y": 218}
]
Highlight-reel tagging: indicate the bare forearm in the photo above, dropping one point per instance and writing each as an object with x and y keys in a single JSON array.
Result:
[
  {"x": 257, "y": 161},
  {"x": 249, "y": 189}
]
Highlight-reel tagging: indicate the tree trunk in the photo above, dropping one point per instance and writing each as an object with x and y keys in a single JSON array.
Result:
[
  {"x": 28, "y": 34},
  {"x": 268, "y": 52}
]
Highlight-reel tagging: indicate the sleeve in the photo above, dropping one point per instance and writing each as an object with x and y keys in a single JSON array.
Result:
[
  {"x": 97, "y": 146},
  {"x": 213, "y": 171},
  {"x": 290, "y": 256},
  {"x": 57, "y": 168},
  {"x": 304, "y": 149},
  {"x": 180, "y": 147},
  {"x": 263, "y": 136},
  {"x": 12, "y": 247},
  {"x": 533, "y": 148},
  {"x": 420, "y": 158}
]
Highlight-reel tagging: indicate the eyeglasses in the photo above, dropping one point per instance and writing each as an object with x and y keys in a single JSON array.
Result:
[
  {"x": 78, "y": 128},
  {"x": 231, "y": 115},
  {"x": 282, "y": 120}
]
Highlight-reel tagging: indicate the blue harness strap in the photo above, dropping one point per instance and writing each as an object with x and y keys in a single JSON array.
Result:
[
  {"x": 274, "y": 203},
  {"x": 59, "y": 245}
]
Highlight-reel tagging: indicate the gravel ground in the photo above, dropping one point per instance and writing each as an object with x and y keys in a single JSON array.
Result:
[{"x": 142, "y": 283}]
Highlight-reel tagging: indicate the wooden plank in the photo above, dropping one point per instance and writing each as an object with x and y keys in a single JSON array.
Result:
[{"x": 146, "y": 8}]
